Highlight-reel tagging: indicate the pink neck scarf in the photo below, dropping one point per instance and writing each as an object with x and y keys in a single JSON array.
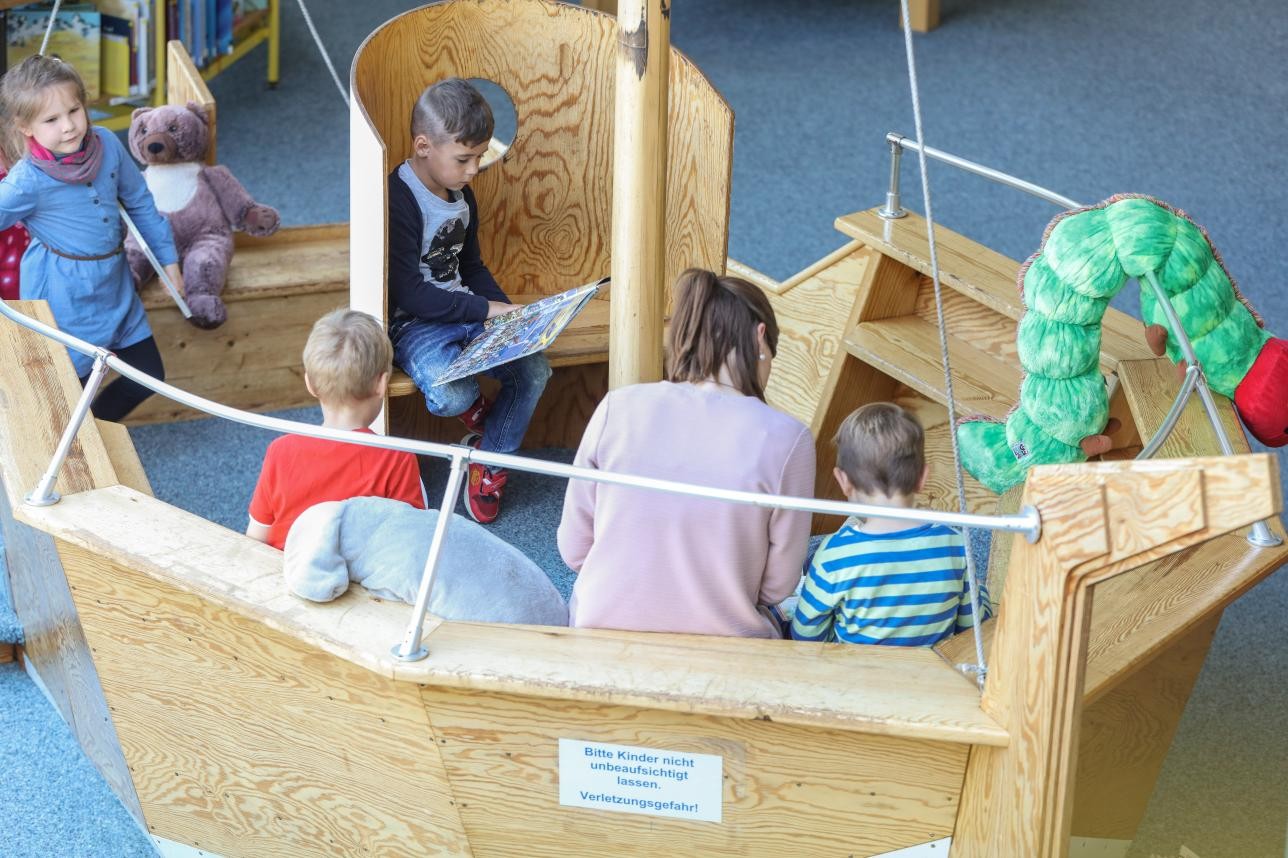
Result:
[{"x": 80, "y": 166}]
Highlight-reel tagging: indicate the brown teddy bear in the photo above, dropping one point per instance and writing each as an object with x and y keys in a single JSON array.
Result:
[{"x": 203, "y": 204}]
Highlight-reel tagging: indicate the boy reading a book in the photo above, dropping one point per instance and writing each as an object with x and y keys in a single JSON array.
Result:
[{"x": 440, "y": 290}]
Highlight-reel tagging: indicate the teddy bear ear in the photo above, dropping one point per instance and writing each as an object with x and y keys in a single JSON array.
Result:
[
  {"x": 139, "y": 113},
  {"x": 200, "y": 111}
]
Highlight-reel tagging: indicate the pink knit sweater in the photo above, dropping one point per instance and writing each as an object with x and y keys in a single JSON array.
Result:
[{"x": 667, "y": 563}]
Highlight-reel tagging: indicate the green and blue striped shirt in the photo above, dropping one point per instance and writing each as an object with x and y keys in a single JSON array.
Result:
[{"x": 903, "y": 588}]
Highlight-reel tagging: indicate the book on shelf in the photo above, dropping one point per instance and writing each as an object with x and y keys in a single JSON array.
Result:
[
  {"x": 111, "y": 42},
  {"x": 75, "y": 38}
]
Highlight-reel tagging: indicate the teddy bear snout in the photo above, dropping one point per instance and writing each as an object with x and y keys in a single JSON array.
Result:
[{"x": 158, "y": 148}]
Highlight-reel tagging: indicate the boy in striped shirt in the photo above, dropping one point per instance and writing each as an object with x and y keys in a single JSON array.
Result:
[{"x": 883, "y": 581}]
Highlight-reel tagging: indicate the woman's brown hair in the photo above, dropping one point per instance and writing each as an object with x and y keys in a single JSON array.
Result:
[
  {"x": 22, "y": 94},
  {"x": 714, "y": 326}
]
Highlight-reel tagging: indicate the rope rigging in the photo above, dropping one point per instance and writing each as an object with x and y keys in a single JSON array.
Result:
[{"x": 980, "y": 668}]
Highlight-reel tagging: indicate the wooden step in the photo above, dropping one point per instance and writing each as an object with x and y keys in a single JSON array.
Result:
[
  {"x": 585, "y": 340},
  {"x": 979, "y": 273},
  {"x": 970, "y": 268},
  {"x": 907, "y": 349}
]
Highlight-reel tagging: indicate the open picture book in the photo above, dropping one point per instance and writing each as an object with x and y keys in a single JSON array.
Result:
[{"x": 521, "y": 332}]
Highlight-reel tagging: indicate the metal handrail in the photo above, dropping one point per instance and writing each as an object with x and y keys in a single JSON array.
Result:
[
  {"x": 893, "y": 208},
  {"x": 1027, "y": 522},
  {"x": 1260, "y": 534}
]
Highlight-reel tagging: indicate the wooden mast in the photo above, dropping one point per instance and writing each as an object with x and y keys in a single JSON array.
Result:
[{"x": 639, "y": 192}]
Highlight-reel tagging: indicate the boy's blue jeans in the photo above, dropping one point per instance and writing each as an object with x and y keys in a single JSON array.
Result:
[{"x": 424, "y": 349}]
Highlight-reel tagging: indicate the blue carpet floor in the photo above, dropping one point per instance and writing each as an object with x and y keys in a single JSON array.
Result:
[{"x": 1182, "y": 99}]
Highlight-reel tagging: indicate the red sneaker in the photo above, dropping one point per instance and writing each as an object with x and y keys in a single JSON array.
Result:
[
  {"x": 483, "y": 487},
  {"x": 474, "y": 416}
]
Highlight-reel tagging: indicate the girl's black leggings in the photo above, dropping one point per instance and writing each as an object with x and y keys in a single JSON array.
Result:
[{"x": 122, "y": 396}]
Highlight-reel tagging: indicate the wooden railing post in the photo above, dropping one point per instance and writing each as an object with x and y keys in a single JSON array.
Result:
[{"x": 639, "y": 192}]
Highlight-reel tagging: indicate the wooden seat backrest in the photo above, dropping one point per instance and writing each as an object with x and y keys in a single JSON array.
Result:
[{"x": 545, "y": 208}]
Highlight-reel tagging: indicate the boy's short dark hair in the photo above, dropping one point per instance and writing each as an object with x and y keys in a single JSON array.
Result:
[
  {"x": 882, "y": 449},
  {"x": 452, "y": 110}
]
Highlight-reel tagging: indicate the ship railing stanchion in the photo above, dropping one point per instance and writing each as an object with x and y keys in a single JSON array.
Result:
[
  {"x": 43, "y": 494},
  {"x": 411, "y": 648}
]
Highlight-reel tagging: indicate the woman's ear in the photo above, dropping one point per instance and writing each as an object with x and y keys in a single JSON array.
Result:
[{"x": 762, "y": 344}]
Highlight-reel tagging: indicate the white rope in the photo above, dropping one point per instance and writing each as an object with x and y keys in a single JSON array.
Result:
[
  {"x": 49, "y": 28},
  {"x": 326, "y": 58},
  {"x": 980, "y": 668}
]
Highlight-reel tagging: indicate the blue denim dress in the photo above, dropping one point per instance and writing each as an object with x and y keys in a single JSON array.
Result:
[{"x": 91, "y": 299}]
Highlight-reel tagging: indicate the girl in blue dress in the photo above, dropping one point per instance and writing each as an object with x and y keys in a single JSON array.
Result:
[{"x": 64, "y": 187}]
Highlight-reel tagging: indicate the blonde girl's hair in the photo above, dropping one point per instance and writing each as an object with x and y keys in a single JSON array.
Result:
[
  {"x": 22, "y": 95},
  {"x": 714, "y": 326},
  {"x": 345, "y": 355}
]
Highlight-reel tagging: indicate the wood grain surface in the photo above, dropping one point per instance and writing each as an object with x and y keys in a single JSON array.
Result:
[
  {"x": 546, "y": 207},
  {"x": 1150, "y": 386},
  {"x": 640, "y": 119},
  {"x": 786, "y": 789},
  {"x": 907, "y": 348},
  {"x": 124, "y": 458},
  {"x": 1125, "y": 736},
  {"x": 908, "y": 693},
  {"x": 1022, "y": 795},
  {"x": 37, "y": 393},
  {"x": 244, "y": 741},
  {"x": 812, "y": 318}
]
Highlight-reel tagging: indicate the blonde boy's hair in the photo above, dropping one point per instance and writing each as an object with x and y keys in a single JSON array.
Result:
[
  {"x": 881, "y": 448},
  {"x": 345, "y": 355}
]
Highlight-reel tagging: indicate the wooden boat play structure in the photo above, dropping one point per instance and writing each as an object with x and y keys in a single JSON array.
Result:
[{"x": 230, "y": 717}]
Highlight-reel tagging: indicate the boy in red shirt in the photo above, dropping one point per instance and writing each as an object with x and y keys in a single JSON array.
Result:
[{"x": 347, "y": 361}]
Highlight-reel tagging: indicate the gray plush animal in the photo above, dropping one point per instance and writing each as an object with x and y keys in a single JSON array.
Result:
[{"x": 382, "y": 544}]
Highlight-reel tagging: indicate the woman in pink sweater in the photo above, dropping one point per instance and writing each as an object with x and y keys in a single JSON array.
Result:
[{"x": 659, "y": 562}]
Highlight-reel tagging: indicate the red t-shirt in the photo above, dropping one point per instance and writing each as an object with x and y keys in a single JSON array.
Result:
[{"x": 299, "y": 472}]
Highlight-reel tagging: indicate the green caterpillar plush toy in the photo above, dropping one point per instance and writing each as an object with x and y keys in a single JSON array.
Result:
[{"x": 1086, "y": 256}]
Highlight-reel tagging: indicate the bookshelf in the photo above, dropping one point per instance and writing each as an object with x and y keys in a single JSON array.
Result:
[{"x": 258, "y": 27}]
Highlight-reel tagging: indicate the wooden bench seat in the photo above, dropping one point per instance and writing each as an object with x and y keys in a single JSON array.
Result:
[
  {"x": 584, "y": 341},
  {"x": 277, "y": 288},
  {"x": 908, "y": 693}
]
